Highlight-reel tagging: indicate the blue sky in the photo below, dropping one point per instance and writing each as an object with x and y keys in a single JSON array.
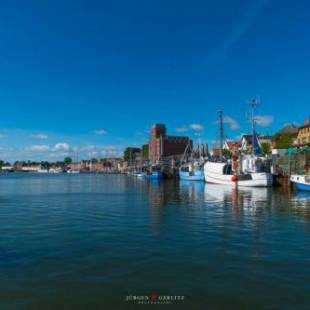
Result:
[{"x": 93, "y": 76}]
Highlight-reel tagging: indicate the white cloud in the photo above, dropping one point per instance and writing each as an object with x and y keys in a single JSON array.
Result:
[
  {"x": 182, "y": 129},
  {"x": 264, "y": 120},
  {"x": 88, "y": 148},
  {"x": 63, "y": 147},
  {"x": 232, "y": 123},
  {"x": 37, "y": 148},
  {"x": 196, "y": 127},
  {"x": 59, "y": 147},
  {"x": 99, "y": 132},
  {"x": 39, "y": 136}
]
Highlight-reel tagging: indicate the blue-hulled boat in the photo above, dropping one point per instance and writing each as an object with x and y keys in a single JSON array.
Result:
[
  {"x": 192, "y": 164},
  {"x": 154, "y": 175},
  {"x": 301, "y": 182},
  {"x": 192, "y": 171}
]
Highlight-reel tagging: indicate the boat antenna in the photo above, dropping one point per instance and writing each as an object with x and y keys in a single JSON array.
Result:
[{"x": 221, "y": 131}]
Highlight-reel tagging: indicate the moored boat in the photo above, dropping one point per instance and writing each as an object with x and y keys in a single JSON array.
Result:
[
  {"x": 192, "y": 172},
  {"x": 301, "y": 182},
  {"x": 73, "y": 171},
  {"x": 43, "y": 171},
  {"x": 191, "y": 168},
  {"x": 246, "y": 170},
  {"x": 154, "y": 175},
  {"x": 221, "y": 173}
]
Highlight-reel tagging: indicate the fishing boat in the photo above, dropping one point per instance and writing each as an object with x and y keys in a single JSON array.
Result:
[
  {"x": 301, "y": 182},
  {"x": 191, "y": 169},
  {"x": 250, "y": 171},
  {"x": 154, "y": 175},
  {"x": 192, "y": 172},
  {"x": 222, "y": 173}
]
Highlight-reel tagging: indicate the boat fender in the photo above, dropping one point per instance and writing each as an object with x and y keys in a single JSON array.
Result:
[{"x": 234, "y": 178}]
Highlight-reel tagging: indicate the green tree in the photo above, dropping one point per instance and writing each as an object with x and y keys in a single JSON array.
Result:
[
  {"x": 145, "y": 151},
  {"x": 130, "y": 153},
  {"x": 1, "y": 163},
  {"x": 45, "y": 164},
  {"x": 226, "y": 153},
  {"x": 266, "y": 148},
  {"x": 284, "y": 140},
  {"x": 68, "y": 160}
]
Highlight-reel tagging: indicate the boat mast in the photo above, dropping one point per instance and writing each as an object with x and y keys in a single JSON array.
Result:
[
  {"x": 253, "y": 103},
  {"x": 221, "y": 130}
]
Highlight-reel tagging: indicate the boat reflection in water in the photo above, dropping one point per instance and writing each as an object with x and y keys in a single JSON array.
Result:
[
  {"x": 249, "y": 199},
  {"x": 301, "y": 200},
  {"x": 193, "y": 191}
]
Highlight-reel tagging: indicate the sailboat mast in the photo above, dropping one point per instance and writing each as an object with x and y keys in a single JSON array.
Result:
[{"x": 221, "y": 130}]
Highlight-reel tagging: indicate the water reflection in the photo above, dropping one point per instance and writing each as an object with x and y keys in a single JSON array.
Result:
[
  {"x": 253, "y": 201},
  {"x": 112, "y": 233},
  {"x": 242, "y": 200}
]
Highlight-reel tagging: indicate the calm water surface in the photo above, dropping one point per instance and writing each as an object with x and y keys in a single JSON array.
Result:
[{"x": 88, "y": 241}]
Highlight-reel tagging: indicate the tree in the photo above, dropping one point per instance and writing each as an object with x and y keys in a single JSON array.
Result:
[
  {"x": 45, "y": 164},
  {"x": 284, "y": 140},
  {"x": 226, "y": 153},
  {"x": 145, "y": 151},
  {"x": 130, "y": 153},
  {"x": 1, "y": 163},
  {"x": 68, "y": 160},
  {"x": 266, "y": 148}
]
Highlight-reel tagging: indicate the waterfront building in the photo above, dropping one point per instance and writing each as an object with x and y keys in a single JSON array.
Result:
[
  {"x": 215, "y": 152},
  {"x": 232, "y": 146},
  {"x": 106, "y": 165},
  {"x": 246, "y": 142},
  {"x": 161, "y": 145},
  {"x": 303, "y": 135},
  {"x": 75, "y": 166},
  {"x": 32, "y": 168}
]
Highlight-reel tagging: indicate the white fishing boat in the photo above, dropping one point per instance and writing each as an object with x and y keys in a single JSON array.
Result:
[
  {"x": 222, "y": 173},
  {"x": 250, "y": 171}
]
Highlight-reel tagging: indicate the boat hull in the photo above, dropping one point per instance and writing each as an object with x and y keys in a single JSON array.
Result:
[
  {"x": 154, "y": 176},
  {"x": 194, "y": 176},
  {"x": 300, "y": 182},
  {"x": 213, "y": 174},
  {"x": 258, "y": 180}
]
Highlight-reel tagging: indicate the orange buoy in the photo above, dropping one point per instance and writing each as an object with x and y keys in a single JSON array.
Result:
[{"x": 234, "y": 178}]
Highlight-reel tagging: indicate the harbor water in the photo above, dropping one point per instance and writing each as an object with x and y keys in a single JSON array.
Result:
[{"x": 93, "y": 241}]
